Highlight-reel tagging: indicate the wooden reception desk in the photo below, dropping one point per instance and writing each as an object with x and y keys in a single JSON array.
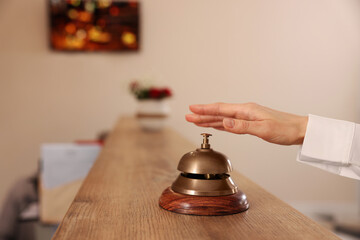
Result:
[{"x": 119, "y": 198}]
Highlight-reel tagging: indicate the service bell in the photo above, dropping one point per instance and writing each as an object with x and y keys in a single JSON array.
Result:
[
  {"x": 204, "y": 186},
  {"x": 204, "y": 172}
]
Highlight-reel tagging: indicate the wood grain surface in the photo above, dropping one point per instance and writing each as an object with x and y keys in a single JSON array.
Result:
[
  {"x": 203, "y": 205},
  {"x": 119, "y": 198}
]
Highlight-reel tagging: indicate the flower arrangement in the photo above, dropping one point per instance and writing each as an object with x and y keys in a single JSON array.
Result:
[{"x": 142, "y": 92}]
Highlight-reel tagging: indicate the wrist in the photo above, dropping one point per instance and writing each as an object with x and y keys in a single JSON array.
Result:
[{"x": 303, "y": 121}]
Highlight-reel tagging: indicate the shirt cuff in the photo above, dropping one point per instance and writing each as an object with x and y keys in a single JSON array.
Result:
[
  {"x": 329, "y": 141},
  {"x": 351, "y": 171},
  {"x": 355, "y": 149}
]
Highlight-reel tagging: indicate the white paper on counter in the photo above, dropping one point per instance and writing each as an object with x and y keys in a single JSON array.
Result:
[{"x": 66, "y": 162}]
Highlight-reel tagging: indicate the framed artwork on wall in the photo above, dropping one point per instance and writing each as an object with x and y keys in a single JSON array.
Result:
[{"x": 94, "y": 25}]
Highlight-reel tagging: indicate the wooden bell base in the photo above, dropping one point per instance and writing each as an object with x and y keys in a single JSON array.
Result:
[{"x": 203, "y": 205}]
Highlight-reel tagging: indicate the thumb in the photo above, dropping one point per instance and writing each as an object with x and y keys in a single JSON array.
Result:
[{"x": 241, "y": 126}]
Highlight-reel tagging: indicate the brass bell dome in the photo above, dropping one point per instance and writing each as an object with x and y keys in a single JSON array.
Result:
[{"x": 204, "y": 172}]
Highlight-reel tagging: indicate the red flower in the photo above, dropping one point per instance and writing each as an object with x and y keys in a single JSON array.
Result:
[
  {"x": 154, "y": 93},
  {"x": 167, "y": 92}
]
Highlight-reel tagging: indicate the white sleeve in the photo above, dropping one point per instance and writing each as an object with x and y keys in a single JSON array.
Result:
[{"x": 332, "y": 145}]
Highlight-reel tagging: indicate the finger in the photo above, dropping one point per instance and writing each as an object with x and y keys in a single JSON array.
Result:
[
  {"x": 215, "y": 109},
  {"x": 212, "y": 124},
  {"x": 240, "y": 111},
  {"x": 244, "y": 127},
  {"x": 195, "y": 118}
]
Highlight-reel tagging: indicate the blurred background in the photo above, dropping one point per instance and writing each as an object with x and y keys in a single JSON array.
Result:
[{"x": 299, "y": 56}]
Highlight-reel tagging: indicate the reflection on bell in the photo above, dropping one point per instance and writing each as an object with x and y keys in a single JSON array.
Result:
[{"x": 204, "y": 186}]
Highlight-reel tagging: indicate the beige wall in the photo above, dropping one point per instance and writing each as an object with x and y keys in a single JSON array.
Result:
[{"x": 301, "y": 56}]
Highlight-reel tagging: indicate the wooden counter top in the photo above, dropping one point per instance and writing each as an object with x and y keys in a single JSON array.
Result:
[{"x": 119, "y": 198}]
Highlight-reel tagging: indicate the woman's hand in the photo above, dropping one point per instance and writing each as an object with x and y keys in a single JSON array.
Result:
[{"x": 250, "y": 118}]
